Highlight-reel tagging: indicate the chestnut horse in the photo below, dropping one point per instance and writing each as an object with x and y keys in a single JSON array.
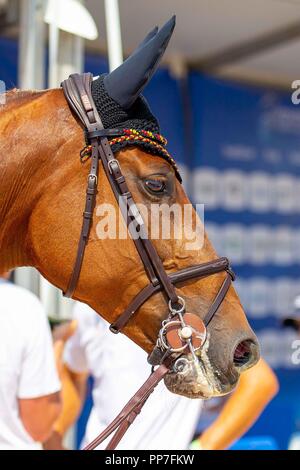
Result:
[{"x": 43, "y": 185}]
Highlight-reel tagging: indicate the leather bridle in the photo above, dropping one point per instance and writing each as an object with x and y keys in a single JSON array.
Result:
[{"x": 181, "y": 332}]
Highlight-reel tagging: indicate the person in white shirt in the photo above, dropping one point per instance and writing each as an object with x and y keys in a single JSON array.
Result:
[
  {"x": 167, "y": 421},
  {"x": 29, "y": 384}
]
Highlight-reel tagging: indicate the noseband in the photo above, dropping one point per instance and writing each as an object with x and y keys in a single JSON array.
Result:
[{"x": 181, "y": 333}]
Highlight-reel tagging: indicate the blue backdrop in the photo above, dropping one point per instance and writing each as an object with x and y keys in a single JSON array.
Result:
[
  {"x": 246, "y": 170},
  {"x": 241, "y": 156}
]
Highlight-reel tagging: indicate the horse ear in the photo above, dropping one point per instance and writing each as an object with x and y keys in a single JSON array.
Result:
[
  {"x": 125, "y": 83},
  {"x": 148, "y": 38}
]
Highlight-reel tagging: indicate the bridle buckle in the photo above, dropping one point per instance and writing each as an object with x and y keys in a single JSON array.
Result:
[
  {"x": 111, "y": 162},
  {"x": 93, "y": 177}
]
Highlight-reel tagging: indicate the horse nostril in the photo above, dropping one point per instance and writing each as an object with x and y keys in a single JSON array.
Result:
[{"x": 245, "y": 353}]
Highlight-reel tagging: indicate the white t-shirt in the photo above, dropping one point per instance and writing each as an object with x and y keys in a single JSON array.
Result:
[
  {"x": 27, "y": 365},
  {"x": 119, "y": 368}
]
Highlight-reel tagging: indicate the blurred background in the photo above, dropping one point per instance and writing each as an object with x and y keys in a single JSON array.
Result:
[{"x": 224, "y": 100}]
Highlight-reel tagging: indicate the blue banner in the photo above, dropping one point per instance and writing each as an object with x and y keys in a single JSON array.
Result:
[{"x": 246, "y": 170}]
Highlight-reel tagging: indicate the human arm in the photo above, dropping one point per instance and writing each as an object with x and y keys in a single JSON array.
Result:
[
  {"x": 256, "y": 388},
  {"x": 39, "y": 414},
  {"x": 38, "y": 395},
  {"x": 73, "y": 370},
  {"x": 73, "y": 396}
]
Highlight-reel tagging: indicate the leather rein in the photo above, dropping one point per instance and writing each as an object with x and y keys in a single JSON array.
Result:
[{"x": 181, "y": 332}]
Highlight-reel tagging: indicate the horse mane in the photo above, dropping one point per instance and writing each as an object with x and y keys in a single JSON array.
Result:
[{"x": 16, "y": 97}]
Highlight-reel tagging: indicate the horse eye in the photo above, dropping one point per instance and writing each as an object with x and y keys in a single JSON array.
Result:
[{"x": 155, "y": 186}]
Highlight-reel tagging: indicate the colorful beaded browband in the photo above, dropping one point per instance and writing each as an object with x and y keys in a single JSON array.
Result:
[{"x": 151, "y": 141}]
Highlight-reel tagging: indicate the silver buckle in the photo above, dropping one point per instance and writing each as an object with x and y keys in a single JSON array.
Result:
[
  {"x": 95, "y": 177},
  {"x": 114, "y": 160}
]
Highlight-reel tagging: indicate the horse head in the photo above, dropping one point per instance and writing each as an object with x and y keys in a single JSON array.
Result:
[{"x": 45, "y": 199}]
